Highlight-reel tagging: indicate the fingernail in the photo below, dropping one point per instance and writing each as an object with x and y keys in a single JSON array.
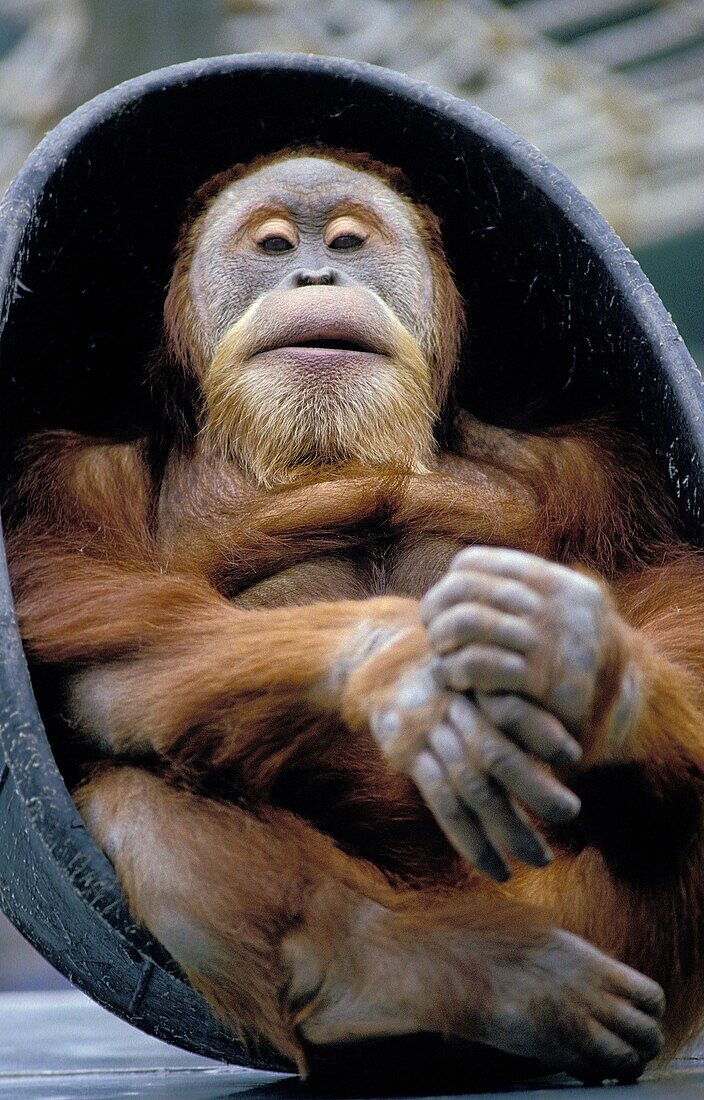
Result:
[
  {"x": 570, "y": 753},
  {"x": 495, "y": 868},
  {"x": 564, "y": 806},
  {"x": 538, "y": 855},
  {"x": 571, "y": 803}
]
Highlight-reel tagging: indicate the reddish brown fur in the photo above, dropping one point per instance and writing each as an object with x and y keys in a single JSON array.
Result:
[{"x": 162, "y": 589}]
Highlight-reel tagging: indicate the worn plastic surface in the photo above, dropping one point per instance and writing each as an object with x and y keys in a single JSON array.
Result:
[{"x": 562, "y": 319}]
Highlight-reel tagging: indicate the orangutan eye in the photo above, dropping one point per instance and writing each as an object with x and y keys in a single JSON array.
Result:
[
  {"x": 276, "y": 244},
  {"x": 346, "y": 242}
]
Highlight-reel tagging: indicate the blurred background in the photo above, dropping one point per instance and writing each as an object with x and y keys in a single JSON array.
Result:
[{"x": 612, "y": 91}]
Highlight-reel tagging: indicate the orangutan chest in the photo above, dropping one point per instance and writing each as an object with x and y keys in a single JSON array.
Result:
[{"x": 407, "y": 567}]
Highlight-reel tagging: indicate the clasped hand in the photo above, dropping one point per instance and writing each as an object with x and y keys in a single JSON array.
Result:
[{"x": 511, "y": 689}]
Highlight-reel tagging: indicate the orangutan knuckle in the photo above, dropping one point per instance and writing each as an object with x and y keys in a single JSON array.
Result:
[
  {"x": 465, "y": 558},
  {"x": 508, "y": 711},
  {"x": 471, "y": 622},
  {"x": 416, "y": 692},
  {"x": 476, "y": 791},
  {"x": 446, "y": 745},
  {"x": 436, "y": 598},
  {"x": 500, "y": 759},
  {"x": 386, "y": 723},
  {"x": 588, "y": 592}
]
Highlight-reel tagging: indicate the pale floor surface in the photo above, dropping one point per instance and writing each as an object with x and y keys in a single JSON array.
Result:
[{"x": 61, "y": 1046}]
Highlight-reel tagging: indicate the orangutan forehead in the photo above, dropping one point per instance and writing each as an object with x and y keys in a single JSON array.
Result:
[{"x": 310, "y": 185}]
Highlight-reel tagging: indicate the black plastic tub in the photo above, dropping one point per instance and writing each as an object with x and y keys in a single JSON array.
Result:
[{"x": 562, "y": 321}]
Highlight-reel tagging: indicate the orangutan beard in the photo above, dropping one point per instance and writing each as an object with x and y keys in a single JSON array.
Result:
[{"x": 279, "y": 421}]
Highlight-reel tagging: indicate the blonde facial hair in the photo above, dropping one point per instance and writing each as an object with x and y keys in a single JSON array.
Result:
[{"x": 278, "y": 423}]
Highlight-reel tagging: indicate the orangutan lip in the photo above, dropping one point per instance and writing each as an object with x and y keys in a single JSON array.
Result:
[
  {"x": 331, "y": 350},
  {"x": 334, "y": 345},
  {"x": 323, "y": 348},
  {"x": 325, "y": 343}
]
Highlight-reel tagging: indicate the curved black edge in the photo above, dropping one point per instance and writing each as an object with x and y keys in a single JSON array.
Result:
[
  {"x": 136, "y": 981},
  {"x": 60, "y": 891},
  {"x": 679, "y": 376}
]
